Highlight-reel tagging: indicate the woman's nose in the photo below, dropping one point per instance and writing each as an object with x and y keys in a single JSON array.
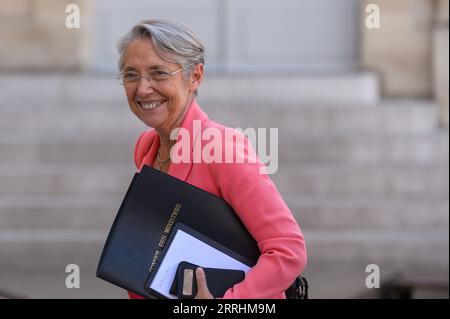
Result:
[{"x": 144, "y": 86}]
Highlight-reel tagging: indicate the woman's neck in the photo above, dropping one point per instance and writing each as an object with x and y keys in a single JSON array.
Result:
[{"x": 164, "y": 135}]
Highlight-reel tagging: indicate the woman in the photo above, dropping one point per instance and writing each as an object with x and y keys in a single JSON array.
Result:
[{"x": 161, "y": 66}]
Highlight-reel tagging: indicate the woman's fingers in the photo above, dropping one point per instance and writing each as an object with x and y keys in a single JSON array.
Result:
[{"x": 202, "y": 285}]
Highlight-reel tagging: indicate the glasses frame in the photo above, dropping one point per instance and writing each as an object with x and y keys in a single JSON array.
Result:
[{"x": 147, "y": 76}]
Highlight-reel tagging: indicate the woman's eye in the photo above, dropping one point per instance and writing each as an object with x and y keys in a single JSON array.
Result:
[
  {"x": 130, "y": 76},
  {"x": 159, "y": 74}
]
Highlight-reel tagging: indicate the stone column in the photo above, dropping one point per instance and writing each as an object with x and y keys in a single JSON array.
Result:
[
  {"x": 441, "y": 60},
  {"x": 34, "y": 35},
  {"x": 400, "y": 50}
]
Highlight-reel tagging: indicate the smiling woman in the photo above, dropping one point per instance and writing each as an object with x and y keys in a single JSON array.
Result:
[
  {"x": 157, "y": 92},
  {"x": 151, "y": 58},
  {"x": 161, "y": 68}
]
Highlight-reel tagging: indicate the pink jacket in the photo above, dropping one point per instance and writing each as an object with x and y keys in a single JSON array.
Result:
[{"x": 255, "y": 199}]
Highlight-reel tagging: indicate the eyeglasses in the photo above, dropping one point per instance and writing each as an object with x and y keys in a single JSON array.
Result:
[{"x": 129, "y": 78}]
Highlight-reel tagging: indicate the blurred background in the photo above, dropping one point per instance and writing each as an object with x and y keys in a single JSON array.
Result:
[{"x": 362, "y": 115}]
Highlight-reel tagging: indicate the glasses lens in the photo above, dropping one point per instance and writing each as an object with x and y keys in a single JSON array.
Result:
[
  {"x": 129, "y": 77},
  {"x": 159, "y": 75}
]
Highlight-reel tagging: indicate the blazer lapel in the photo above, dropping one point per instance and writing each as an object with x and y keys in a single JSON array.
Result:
[{"x": 181, "y": 170}]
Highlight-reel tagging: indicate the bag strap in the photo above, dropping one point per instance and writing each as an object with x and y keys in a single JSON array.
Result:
[{"x": 301, "y": 291}]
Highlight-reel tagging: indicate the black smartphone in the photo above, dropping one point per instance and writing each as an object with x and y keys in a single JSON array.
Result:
[{"x": 218, "y": 280}]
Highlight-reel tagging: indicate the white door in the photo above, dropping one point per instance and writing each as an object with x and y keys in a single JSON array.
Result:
[{"x": 244, "y": 36}]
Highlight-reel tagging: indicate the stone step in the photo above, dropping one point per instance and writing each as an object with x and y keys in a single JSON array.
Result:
[
  {"x": 73, "y": 118},
  {"x": 69, "y": 148},
  {"x": 389, "y": 117},
  {"x": 308, "y": 179},
  {"x": 394, "y": 117},
  {"x": 362, "y": 213},
  {"x": 112, "y": 148},
  {"x": 351, "y": 88},
  {"x": 61, "y": 179},
  {"x": 49, "y": 283},
  {"x": 343, "y": 279},
  {"x": 68, "y": 213},
  {"x": 390, "y": 181},
  {"x": 40, "y": 249},
  {"x": 427, "y": 248},
  {"x": 405, "y": 149},
  {"x": 331, "y": 213},
  {"x": 328, "y": 280},
  {"x": 55, "y": 249}
]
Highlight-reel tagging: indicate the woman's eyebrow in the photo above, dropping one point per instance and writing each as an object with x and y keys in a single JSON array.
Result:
[
  {"x": 157, "y": 67},
  {"x": 153, "y": 67}
]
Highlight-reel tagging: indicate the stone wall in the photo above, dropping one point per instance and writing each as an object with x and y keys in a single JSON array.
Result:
[
  {"x": 409, "y": 52},
  {"x": 441, "y": 60},
  {"x": 399, "y": 51},
  {"x": 34, "y": 36}
]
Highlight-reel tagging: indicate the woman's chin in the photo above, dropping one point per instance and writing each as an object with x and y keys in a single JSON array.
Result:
[
  {"x": 153, "y": 118},
  {"x": 152, "y": 123}
]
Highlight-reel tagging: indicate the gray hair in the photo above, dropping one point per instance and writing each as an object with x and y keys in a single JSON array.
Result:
[{"x": 173, "y": 42}]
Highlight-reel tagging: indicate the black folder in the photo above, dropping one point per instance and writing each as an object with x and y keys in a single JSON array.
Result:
[{"x": 153, "y": 203}]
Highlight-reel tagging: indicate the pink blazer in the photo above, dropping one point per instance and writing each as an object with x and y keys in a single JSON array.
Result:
[{"x": 255, "y": 199}]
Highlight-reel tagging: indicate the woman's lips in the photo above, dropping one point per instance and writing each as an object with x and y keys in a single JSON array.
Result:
[{"x": 150, "y": 105}]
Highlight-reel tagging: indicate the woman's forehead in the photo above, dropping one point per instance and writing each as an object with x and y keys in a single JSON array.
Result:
[{"x": 140, "y": 53}]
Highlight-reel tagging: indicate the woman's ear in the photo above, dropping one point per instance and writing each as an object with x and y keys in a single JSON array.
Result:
[{"x": 196, "y": 77}]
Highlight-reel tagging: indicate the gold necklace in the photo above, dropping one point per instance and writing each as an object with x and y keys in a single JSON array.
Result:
[{"x": 161, "y": 162}]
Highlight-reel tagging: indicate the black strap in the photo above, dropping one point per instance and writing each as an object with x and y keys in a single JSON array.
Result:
[
  {"x": 301, "y": 291},
  {"x": 298, "y": 290}
]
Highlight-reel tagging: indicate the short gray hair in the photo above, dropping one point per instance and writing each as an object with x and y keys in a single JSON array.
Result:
[{"x": 172, "y": 41}]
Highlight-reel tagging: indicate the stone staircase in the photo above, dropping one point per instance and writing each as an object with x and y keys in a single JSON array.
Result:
[{"x": 367, "y": 183}]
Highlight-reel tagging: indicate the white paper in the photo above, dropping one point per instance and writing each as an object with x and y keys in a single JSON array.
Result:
[{"x": 185, "y": 247}]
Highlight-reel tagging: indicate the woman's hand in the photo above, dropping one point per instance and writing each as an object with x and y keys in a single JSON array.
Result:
[{"x": 202, "y": 287}]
